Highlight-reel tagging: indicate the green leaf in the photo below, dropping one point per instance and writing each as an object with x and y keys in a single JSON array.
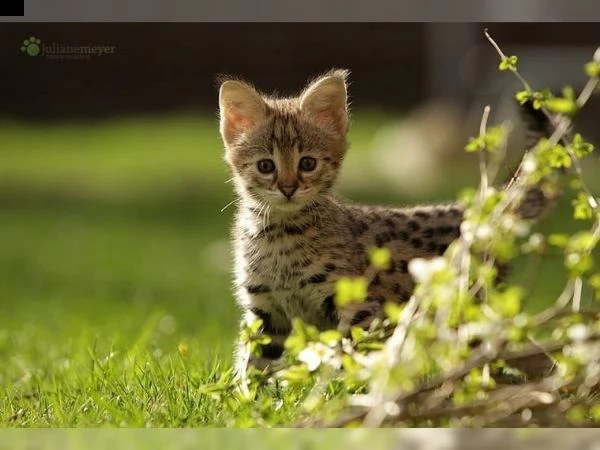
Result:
[
  {"x": 562, "y": 105},
  {"x": 581, "y": 147},
  {"x": 296, "y": 374},
  {"x": 475, "y": 144},
  {"x": 582, "y": 207},
  {"x": 578, "y": 264},
  {"x": 426, "y": 331},
  {"x": 582, "y": 241},
  {"x": 330, "y": 337},
  {"x": 492, "y": 201},
  {"x": 494, "y": 137},
  {"x": 509, "y": 63},
  {"x": 550, "y": 157},
  {"x": 471, "y": 313},
  {"x": 357, "y": 334},
  {"x": 348, "y": 363},
  {"x": 507, "y": 303},
  {"x": 523, "y": 96},
  {"x": 299, "y": 327},
  {"x": 558, "y": 240},
  {"x": 487, "y": 274},
  {"x": 592, "y": 69},
  {"x": 540, "y": 98},
  {"x": 294, "y": 344},
  {"x": 351, "y": 290},
  {"x": 263, "y": 339},
  {"x": 490, "y": 141},
  {"x": 505, "y": 249},
  {"x": 559, "y": 157},
  {"x": 256, "y": 325},
  {"x": 380, "y": 258},
  {"x": 393, "y": 311},
  {"x": 371, "y": 346},
  {"x": 517, "y": 334}
]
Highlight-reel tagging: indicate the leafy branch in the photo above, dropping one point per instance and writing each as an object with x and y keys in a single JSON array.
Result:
[{"x": 463, "y": 351}]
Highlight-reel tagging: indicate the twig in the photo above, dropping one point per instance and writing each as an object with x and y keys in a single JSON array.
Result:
[
  {"x": 483, "y": 154},
  {"x": 577, "y": 289},
  {"x": 478, "y": 360},
  {"x": 502, "y": 402},
  {"x": 392, "y": 350},
  {"x": 561, "y": 127},
  {"x": 564, "y": 122}
]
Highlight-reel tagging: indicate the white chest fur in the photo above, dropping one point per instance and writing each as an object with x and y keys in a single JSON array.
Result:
[{"x": 272, "y": 270}]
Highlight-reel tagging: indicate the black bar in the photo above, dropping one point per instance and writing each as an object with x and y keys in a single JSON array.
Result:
[{"x": 12, "y": 8}]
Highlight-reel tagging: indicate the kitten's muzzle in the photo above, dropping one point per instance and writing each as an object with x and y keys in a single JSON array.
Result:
[{"x": 288, "y": 190}]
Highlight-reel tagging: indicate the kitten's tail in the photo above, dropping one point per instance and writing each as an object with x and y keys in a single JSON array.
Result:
[{"x": 540, "y": 198}]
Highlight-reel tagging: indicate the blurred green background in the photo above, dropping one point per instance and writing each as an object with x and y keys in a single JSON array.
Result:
[
  {"x": 113, "y": 242},
  {"x": 109, "y": 225}
]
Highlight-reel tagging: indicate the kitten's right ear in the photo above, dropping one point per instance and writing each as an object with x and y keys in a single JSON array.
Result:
[
  {"x": 325, "y": 101},
  {"x": 241, "y": 108}
]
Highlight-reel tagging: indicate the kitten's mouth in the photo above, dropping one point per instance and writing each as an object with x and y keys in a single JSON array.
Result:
[
  {"x": 288, "y": 205},
  {"x": 292, "y": 204}
]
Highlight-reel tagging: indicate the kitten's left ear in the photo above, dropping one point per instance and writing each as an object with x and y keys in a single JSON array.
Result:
[
  {"x": 241, "y": 109},
  {"x": 325, "y": 101}
]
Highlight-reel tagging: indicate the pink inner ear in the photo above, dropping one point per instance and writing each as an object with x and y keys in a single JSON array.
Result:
[
  {"x": 240, "y": 122},
  {"x": 325, "y": 118},
  {"x": 329, "y": 118},
  {"x": 236, "y": 122}
]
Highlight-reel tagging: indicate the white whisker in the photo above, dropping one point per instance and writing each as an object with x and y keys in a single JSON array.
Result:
[
  {"x": 229, "y": 204},
  {"x": 268, "y": 213},
  {"x": 262, "y": 209}
]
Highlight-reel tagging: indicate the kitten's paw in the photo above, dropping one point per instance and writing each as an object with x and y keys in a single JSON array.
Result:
[{"x": 359, "y": 315}]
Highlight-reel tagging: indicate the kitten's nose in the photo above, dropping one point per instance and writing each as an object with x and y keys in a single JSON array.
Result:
[{"x": 288, "y": 191}]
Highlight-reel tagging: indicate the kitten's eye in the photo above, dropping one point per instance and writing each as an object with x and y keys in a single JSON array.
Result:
[
  {"x": 266, "y": 166},
  {"x": 307, "y": 164}
]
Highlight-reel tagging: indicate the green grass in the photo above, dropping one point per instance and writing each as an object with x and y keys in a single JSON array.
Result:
[
  {"x": 113, "y": 254},
  {"x": 113, "y": 251}
]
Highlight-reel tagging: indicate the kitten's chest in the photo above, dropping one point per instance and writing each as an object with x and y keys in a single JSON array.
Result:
[
  {"x": 290, "y": 290},
  {"x": 280, "y": 263},
  {"x": 287, "y": 267}
]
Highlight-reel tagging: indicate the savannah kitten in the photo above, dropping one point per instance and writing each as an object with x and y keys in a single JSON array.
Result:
[{"x": 292, "y": 239}]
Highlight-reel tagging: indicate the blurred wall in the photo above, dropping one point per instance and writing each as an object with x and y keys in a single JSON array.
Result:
[{"x": 161, "y": 67}]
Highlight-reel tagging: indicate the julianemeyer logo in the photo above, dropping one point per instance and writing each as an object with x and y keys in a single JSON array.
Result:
[{"x": 34, "y": 47}]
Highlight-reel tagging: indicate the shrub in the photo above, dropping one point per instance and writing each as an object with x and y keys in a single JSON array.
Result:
[{"x": 462, "y": 351}]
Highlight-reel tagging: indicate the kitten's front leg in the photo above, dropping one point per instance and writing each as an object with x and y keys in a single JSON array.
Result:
[
  {"x": 358, "y": 315},
  {"x": 268, "y": 353}
]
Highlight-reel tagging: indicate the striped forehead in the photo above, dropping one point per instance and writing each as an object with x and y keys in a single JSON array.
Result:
[{"x": 285, "y": 135}]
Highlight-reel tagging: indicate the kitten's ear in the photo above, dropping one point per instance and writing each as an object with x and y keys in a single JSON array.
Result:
[
  {"x": 325, "y": 101},
  {"x": 241, "y": 108}
]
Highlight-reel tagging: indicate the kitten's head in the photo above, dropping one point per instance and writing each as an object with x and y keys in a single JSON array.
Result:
[{"x": 285, "y": 152}]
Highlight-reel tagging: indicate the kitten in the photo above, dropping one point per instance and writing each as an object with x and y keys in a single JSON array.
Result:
[{"x": 292, "y": 239}]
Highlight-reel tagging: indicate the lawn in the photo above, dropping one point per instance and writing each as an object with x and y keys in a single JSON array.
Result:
[{"x": 114, "y": 270}]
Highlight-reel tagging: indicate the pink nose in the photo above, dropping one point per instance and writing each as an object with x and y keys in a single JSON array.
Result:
[{"x": 288, "y": 191}]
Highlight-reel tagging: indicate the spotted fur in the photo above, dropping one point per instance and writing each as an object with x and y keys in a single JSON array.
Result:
[{"x": 290, "y": 250}]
